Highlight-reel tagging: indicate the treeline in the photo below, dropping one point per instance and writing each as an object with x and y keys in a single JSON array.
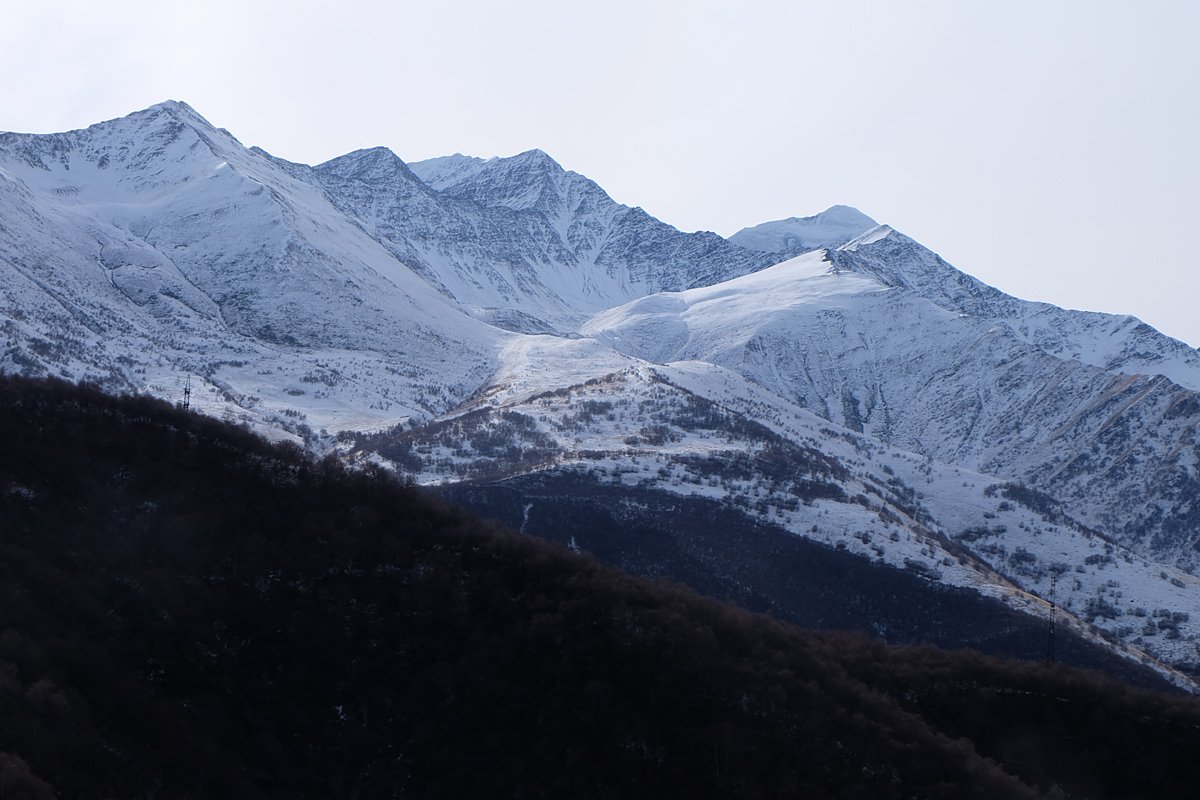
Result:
[{"x": 187, "y": 611}]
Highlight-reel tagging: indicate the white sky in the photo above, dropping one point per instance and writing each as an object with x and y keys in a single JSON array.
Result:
[{"x": 1050, "y": 148}]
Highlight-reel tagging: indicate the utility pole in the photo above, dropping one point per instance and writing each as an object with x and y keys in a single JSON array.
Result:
[
  {"x": 1050, "y": 631},
  {"x": 187, "y": 392}
]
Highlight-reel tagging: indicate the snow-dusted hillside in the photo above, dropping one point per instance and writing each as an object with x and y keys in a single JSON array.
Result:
[
  {"x": 694, "y": 429},
  {"x": 492, "y": 318}
]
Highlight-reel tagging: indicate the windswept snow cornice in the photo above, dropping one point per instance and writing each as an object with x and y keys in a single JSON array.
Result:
[{"x": 832, "y": 227}]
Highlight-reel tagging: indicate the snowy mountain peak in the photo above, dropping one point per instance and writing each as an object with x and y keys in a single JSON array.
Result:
[
  {"x": 530, "y": 180},
  {"x": 458, "y": 173},
  {"x": 159, "y": 148},
  {"x": 832, "y": 227},
  {"x": 534, "y": 158},
  {"x": 177, "y": 109},
  {"x": 843, "y": 214},
  {"x": 168, "y": 118},
  {"x": 519, "y": 241},
  {"x": 374, "y": 164}
]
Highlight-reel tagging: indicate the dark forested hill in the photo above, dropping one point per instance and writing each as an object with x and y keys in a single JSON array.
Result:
[
  {"x": 187, "y": 611},
  {"x": 721, "y": 553}
]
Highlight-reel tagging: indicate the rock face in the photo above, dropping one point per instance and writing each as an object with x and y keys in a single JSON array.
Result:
[
  {"x": 521, "y": 239},
  {"x": 490, "y": 320}
]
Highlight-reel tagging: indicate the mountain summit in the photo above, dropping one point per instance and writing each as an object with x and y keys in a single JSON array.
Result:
[{"x": 834, "y": 226}]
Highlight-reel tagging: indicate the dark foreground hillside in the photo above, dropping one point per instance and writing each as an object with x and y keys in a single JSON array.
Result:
[{"x": 187, "y": 611}]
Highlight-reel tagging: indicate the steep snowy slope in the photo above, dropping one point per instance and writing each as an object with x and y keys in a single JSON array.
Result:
[
  {"x": 522, "y": 242},
  {"x": 1116, "y": 343},
  {"x": 865, "y": 350},
  {"x": 219, "y": 261}
]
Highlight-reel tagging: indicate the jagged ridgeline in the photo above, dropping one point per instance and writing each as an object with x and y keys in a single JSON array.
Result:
[
  {"x": 504, "y": 321},
  {"x": 189, "y": 611}
]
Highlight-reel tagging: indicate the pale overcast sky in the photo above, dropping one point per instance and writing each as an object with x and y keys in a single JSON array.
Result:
[{"x": 1049, "y": 148}]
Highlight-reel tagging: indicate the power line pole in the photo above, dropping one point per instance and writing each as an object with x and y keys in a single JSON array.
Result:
[
  {"x": 1050, "y": 631},
  {"x": 187, "y": 393}
]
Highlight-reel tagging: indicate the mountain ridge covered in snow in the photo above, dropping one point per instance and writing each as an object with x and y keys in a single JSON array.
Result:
[{"x": 462, "y": 319}]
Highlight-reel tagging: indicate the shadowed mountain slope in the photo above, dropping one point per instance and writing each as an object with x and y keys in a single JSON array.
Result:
[{"x": 186, "y": 610}]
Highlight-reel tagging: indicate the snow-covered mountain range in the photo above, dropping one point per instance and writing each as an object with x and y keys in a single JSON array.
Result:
[{"x": 470, "y": 320}]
